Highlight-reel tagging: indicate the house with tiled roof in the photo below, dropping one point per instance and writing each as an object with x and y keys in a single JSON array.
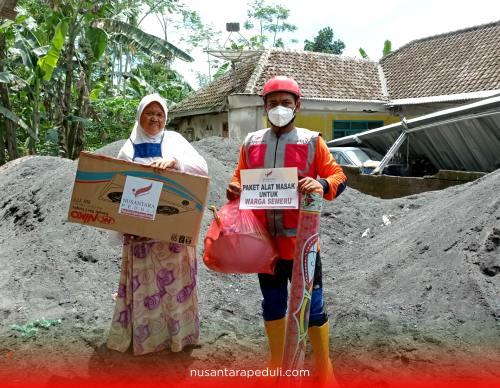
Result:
[
  {"x": 343, "y": 96},
  {"x": 337, "y": 93},
  {"x": 443, "y": 71}
]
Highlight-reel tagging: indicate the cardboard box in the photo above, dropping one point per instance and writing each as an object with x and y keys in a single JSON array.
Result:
[{"x": 132, "y": 198}]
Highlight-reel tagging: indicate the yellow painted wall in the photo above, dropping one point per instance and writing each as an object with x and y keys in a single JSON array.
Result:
[{"x": 323, "y": 122}]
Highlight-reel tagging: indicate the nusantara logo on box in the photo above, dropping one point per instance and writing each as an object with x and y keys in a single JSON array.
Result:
[
  {"x": 174, "y": 198},
  {"x": 140, "y": 197},
  {"x": 142, "y": 190}
]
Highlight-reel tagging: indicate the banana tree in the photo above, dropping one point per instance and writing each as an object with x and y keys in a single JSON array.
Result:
[
  {"x": 43, "y": 68},
  {"x": 39, "y": 54},
  {"x": 10, "y": 120},
  {"x": 87, "y": 39},
  {"x": 56, "y": 57},
  {"x": 7, "y": 127}
]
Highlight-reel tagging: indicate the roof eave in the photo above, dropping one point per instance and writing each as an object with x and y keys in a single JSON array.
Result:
[
  {"x": 352, "y": 100},
  {"x": 444, "y": 98},
  {"x": 196, "y": 112}
]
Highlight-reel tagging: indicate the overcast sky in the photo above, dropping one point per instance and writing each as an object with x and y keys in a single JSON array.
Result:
[{"x": 358, "y": 23}]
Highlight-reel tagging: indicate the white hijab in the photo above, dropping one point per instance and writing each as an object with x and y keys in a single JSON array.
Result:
[
  {"x": 173, "y": 144},
  {"x": 139, "y": 135}
]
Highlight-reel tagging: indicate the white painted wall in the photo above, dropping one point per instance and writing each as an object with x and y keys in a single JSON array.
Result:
[
  {"x": 243, "y": 121},
  {"x": 245, "y": 115},
  {"x": 198, "y": 127}
]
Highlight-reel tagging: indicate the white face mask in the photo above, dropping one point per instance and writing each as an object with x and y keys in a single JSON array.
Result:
[{"x": 280, "y": 115}]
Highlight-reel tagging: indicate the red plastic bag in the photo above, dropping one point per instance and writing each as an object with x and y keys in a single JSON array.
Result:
[{"x": 237, "y": 242}]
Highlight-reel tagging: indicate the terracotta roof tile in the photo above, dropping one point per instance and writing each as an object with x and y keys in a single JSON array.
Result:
[
  {"x": 461, "y": 61},
  {"x": 456, "y": 62},
  {"x": 324, "y": 75},
  {"x": 319, "y": 76},
  {"x": 213, "y": 96}
]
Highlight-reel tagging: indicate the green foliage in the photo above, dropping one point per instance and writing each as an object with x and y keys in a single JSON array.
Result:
[
  {"x": 12, "y": 117},
  {"x": 198, "y": 33},
  {"x": 323, "y": 43},
  {"x": 139, "y": 85},
  {"x": 203, "y": 79},
  {"x": 267, "y": 18},
  {"x": 116, "y": 119},
  {"x": 98, "y": 40},
  {"x": 148, "y": 43},
  {"x": 61, "y": 68},
  {"x": 48, "y": 144},
  {"x": 48, "y": 63},
  {"x": 222, "y": 70},
  {"x": 161, "y": 79},
  {"x": 6, "y": 77},
  {"x": 31, "y": 329},
  {"x": 387, "y": 48}
]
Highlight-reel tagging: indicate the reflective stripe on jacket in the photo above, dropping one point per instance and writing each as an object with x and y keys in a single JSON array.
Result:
[
  {"x": 299, "y": 148},
  {"x": 263, "y": 149}
]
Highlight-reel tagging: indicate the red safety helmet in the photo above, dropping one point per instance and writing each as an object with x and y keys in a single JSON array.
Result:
[{"x": 281, "y": 84}]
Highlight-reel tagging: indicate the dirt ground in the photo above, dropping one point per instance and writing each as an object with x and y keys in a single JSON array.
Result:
[{"x": 416, "y": 296}]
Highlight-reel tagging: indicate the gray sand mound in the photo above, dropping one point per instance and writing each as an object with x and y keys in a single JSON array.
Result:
[{"x": 406, "y": 291}]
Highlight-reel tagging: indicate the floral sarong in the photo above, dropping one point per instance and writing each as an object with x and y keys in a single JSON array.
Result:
[{"x": 157, "y": 305}]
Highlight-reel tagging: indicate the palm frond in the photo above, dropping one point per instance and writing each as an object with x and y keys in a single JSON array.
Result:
[
  {"x": 147, "y": 42},
  {"x": 12, "y": 117}
]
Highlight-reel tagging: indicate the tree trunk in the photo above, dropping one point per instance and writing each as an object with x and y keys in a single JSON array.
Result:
[
  {"x": 8, "y": 141},
  {"x": 82, "y": 109},
  {"x": 35, "y": 121},
  {"x": 127, "y": 61},
  {"x": 164, "y": 24},
  {"x": 109, "y": 86},
  {"x": 120, "y": 68},
  {"x": 165, "y": 28},
  {"x": 8, "y": 138},
  {"x": 2, "y": 140},
  {"x": 275, "y": 31},
  {"x": 209, "y": 68},
  {"x": 58, "y": 112},
  {"x": 66, "y": 136}
]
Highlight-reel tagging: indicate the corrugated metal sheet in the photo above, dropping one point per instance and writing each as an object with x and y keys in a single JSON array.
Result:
[{"x": 464, "y": 138}]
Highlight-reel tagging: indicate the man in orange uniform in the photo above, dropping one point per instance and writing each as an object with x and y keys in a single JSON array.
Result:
[{"x": 284, "y": 145}]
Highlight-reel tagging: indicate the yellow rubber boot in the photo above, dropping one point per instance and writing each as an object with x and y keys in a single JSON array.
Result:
[
  {"x": 319, "y": 336},
  {"x": 275, "y": 331}
]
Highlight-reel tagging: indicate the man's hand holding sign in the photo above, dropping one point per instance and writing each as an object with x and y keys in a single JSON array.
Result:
[
  {"x": 305, "y": 185},
  {"x": 273, "y": 188}
]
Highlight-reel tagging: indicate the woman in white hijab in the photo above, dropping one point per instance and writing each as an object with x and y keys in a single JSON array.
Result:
[{"x": 156, "y": 304}]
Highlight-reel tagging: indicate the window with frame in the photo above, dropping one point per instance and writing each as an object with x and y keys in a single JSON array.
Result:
[{"x": 343, "y": 128}]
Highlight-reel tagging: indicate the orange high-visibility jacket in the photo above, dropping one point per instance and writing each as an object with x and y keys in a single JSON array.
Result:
[{"x": 299, "y": 148}]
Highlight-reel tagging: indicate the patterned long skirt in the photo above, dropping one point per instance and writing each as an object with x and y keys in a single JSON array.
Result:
[{"x": 157, "y": 305}]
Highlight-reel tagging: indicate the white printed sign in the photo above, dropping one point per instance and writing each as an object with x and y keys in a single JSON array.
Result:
[
  {"x": 272, "y": 188},
  {"x": 140, "y": 197}
]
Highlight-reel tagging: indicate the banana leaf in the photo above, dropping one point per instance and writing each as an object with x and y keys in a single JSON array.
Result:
[{"x": 146, "y": 42}]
